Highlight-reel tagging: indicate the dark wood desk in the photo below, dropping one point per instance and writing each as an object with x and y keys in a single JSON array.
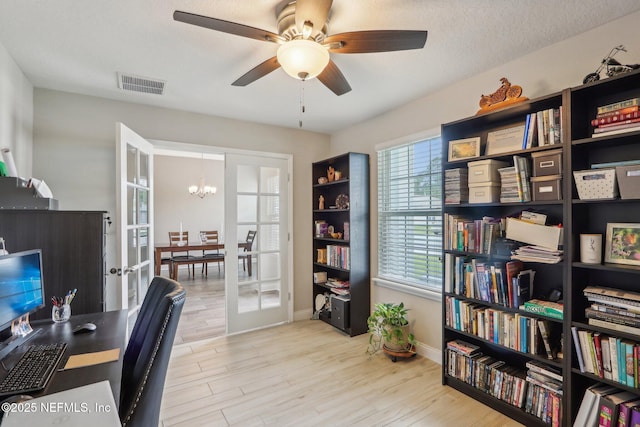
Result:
[
  {"x": 110, "y": 333},
  {"x": 161, "y": 248}
]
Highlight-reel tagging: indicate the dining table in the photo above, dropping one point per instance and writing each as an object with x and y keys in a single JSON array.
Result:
[{"x": 160, "y": 248}]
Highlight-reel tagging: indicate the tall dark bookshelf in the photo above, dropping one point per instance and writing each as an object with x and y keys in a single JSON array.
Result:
[
  {"x": 579, "y": 151},
  {"x": 353, "y": 309}
]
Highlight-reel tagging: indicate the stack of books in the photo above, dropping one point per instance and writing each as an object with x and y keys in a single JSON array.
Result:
[
  {"x": 605, "y": 405},
  {"x": 508, "y": 185},
  {"x": 619, "y": 117},
  {"x": 543, "y": 128},
  {"x": 532, "y": 253},
  {"x": 613, "y": 309},
  {"x": 456, "y": 189}
]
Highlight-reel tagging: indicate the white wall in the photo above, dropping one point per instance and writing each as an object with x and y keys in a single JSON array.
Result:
[
  {"x": 16, "y": 113},
  {"x": 74, "y": 151},
  {"x": 173, "y": 204},
  {"x": 539, "y": 73}
]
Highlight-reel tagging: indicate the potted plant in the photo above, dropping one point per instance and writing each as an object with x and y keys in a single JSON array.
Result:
[{"x": 389, "y": 330}]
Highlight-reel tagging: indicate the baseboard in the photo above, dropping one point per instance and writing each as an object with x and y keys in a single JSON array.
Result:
[
  {"x": 429, "y": 352},
  {"x": 302, "y": 315}
]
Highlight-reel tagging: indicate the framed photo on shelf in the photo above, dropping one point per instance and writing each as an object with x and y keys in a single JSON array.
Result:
[
  {"x": 505, "y": 140},
  {"x": 622, "y": 244},
  {"x": 460, "y": 149}
]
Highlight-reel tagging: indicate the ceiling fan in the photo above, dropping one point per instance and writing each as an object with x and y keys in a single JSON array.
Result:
[{"x": 305, "y": 45}]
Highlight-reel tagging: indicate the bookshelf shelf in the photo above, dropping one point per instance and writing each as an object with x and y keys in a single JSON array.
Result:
[{"x": 353, "y": 222}]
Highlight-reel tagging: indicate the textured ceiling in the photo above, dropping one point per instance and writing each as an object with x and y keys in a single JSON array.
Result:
[{"x": 79, "y": 46}]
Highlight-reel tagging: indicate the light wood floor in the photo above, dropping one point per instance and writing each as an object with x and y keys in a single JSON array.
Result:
[{"x": 309, "y": 374}]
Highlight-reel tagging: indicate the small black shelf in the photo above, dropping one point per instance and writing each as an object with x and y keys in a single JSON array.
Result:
[
  {"x": 478, "y": 255},
  {"x": 613, "y": 332},
  {"x": 329, "y": 210},
  {"x": 602, "y": 201},
  {"x": 325, "y": 286},
  {"x": 319, "y": 264},
  {"x": 631, "y": 269},
  {"x": 523, "y": 204},
  {"x": 596, "y": 378},
  {"x": 338, "y": 182},
  {"x": 332, "y": 240}
]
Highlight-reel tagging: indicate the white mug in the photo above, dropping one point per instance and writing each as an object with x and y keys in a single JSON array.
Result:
[{"x": 591, "y": 248}]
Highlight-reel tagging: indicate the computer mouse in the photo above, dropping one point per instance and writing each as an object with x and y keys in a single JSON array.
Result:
[{"x": 85, "y": 327}]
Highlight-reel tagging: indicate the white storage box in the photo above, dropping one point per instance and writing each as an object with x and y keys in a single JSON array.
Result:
[
  {"x": 485, "y": 171},
  {"x": 595, "y": 184},
  {"x": 629, "y": 181},
  {"x": 548, "y": 236},
  {"x": 484, "y": 192}
]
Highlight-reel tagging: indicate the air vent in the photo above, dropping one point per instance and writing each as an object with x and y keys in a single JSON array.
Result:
[{"x": 140, "y": 84}]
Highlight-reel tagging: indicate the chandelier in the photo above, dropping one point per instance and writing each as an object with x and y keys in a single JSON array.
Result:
[{"x": 202, "y": 189}]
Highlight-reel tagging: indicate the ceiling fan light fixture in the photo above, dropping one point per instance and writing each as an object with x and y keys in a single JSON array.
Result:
[{"x": 303, "y": 59}]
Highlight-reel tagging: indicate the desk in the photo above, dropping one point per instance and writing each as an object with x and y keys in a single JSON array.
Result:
[
  {"x": 192, "y": 246},
  {"x": 110, "y": 333}
]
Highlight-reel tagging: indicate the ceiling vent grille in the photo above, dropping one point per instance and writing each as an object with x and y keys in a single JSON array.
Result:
[{"x": 140, "y": 84}]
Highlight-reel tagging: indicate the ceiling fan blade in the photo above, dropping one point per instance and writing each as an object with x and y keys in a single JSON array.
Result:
[
  {"x": 257, "y": 72},
  {"x": 314, "y": 11},
  {"x": 375, "y": 41},
  {"x": 227, "y": 27},
  {"x": 333, "y": 78}
]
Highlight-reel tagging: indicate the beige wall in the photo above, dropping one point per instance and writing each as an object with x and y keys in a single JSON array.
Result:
[
  {"x": 74, "y": 151},
  {"x": 539, "y": 73}
]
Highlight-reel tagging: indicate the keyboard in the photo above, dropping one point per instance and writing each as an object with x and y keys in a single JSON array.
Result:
[{"x": 33, "y": 370}]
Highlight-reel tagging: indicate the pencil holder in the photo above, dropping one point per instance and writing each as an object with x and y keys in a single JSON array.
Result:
[{"x": 61, "y": 313}]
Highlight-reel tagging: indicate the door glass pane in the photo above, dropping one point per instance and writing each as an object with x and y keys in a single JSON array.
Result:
[
  {"x": 131, "y": 203},
  {"x": 270, "y": 295},
  {"x": 143, "y": 206},
  {"x": 132, "y": 153},
  {"x": 269, "y": 266},
  {"x": 144, "y": 281},
  {"x": 247, "y": 179},
  {"x": 132, "y": 251},
  {"x": 143, "y": 243},
  {"x": 269, "y": 208},
  {"x": 132, "y": 284},
  {"x": 144, "y": 169},
  {"x": 248, "y": 297},
  {"x": 247, "y": 208},
  {"x": 269, "y": 237},
  {"x": 269, "y": 180}
]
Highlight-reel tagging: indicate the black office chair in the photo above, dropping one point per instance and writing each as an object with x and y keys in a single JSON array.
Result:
[{"x": 144, "y": 366}]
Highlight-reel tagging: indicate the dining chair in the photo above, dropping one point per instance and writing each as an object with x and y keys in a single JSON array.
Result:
[
  {"x": 211, "y": 256},
  {"x": 246, "y": 255},
  {"x": 176, "y": 238},
  {"x": 145, "y": 361}
]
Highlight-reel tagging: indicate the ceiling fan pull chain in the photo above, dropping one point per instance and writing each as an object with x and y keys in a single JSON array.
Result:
[{"x": 302, "y": 108}]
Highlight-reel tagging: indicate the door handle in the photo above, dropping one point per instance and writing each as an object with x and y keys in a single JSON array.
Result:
[{"x": 126, "y": 270}]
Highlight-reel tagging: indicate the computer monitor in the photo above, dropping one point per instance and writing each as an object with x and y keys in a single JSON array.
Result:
[{"x": 21, "y": 285}]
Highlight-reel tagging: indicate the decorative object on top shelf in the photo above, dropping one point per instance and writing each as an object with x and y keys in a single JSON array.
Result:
[
  {"x": 342, "y": 201},
  {"x": 612, "y": 66},
  {"x": 389, "y": 330},
  {"x": 506, "y": 95},
  {"x": 591, "y": 248},
  {"x": 322, "y": 180},
  {"x": 623, "y": 243},
  {"x": 460, "y": 149},
  {"x": 321, "y": 202},
  {"x": 331, "y": 173}
]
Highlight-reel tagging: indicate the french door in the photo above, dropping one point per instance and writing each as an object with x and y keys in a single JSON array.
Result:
[
  {"x": 257, "y": 278},
  {"x": 134, "y": 206}
]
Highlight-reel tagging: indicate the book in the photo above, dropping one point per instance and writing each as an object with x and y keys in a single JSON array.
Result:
[
  {"x": 616, "y": 118},
  {"x": 545, "y": 332},
  {"x": 624, "y": 129},
  {"x": 542, "y": 368},
  {"x": 532, "y": 131},
  {"x": 512, "y": 269},
  {"x": 624, "y": 412},
  {"x": 630, "y": 123},
  {"x": 551, "y": 309},
  {"x": 576, "y": 343},
  {"x": 591, "y": 313},
  {"x": 618, "y": 105},
  {"x": 618, "y": 112},
  {"x": 604, "y": 308},
  {"x": 614, "y": 326}
]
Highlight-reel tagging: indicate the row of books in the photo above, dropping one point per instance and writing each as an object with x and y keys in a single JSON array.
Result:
[
  {"x": 607, "y": 356},
  {"x": 507, "y": 284},
  {"x": 456, "y": 186},
  {"x": 538, "y": 391},
  {"x": 472, "y": 235},
  {"x": 613, "y": 309},
  {"x": 618, "y": 117},
  {"x": 338, "y": 256},
  {"x": 513, "y": 330},
  {"x": 605, "y": 405},
  {"x": 543, "y": 128},
  {"x": 514, "y": 181}
]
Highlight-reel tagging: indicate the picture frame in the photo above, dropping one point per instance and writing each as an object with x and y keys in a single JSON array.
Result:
[
  {"x": 622, "y": 244},
  {"x": 505, "y": 140},
  {"x": 460, "y": 149}
]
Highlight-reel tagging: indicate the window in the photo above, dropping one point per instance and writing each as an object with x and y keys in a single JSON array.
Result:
[{"x": 410, "y": 214}]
